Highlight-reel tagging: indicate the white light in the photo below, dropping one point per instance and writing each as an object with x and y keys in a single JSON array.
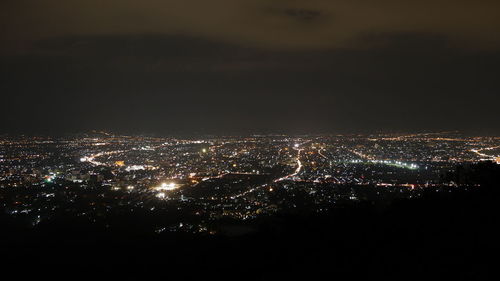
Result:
[
  {"x": 161, "y": 195},
  {"x": 135, "y": 168},
  {"x": 167, "y": 186}
]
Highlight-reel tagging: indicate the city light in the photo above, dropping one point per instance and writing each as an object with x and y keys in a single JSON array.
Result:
[
  {"x": 239, "y": 139},
  {"x": 167, "y": 186},
  {"x": 241, "y": 179}
]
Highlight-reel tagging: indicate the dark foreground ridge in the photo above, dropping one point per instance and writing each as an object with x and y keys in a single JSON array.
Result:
[{"x": 446, "y": 233}]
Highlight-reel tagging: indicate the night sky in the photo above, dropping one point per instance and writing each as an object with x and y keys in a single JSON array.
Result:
[{"x": 234, "y": 66}]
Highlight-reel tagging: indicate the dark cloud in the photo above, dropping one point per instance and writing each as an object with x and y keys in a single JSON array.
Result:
[
  {"x": 262, "y": 23},
  {"x": 249, "y": 65},
  {"x": 183, "y": 84},
  {"x": 303, "y": 14}
]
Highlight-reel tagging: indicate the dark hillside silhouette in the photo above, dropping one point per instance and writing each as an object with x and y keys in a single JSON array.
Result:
[{"x": 449, "y": 232}]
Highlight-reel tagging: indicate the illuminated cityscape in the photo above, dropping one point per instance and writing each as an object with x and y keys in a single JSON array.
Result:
[
  {"x": 250, "y": 139},
  {"x": 211, "y": 178}
]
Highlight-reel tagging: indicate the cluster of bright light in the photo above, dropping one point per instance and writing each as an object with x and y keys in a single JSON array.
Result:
[
  {"x": 135, "y": 168},
  {"x": 410, "y": 166},
  {"x": 162, "y": 188},
  {"x": 388, "y": 162},
  {"x": 167, "y": 186},
  {"x": 50, "y": 177}
]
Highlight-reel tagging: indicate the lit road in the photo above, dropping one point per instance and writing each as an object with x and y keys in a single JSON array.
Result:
[
  {"x": 321, "y": 154},
  {"x": 487, "y": 156},
  {"x": 299, "y": 164},
  {"x": 287, "y": 177},
  {"x": 91, "y": 158}
]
